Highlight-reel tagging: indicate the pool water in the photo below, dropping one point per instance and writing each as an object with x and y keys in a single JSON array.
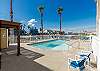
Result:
[{"x": 52, "y": 44}]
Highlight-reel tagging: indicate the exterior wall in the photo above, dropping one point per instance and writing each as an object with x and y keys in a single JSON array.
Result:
[
  {"x": 3, "y": 38},
  {"x": 98, "y": 34},
  {"x": 99, "y": 8},
  {"x": 98, "y": 18}
]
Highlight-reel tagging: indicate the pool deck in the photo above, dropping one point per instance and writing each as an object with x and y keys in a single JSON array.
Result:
[
  {"x": 46, "y": 60},
  {"x": 11, "y": 62},
  {"x": 58, "y": 60}
]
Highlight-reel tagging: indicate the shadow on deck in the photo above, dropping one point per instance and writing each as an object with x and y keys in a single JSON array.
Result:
[{"x": 24, "y": 62}]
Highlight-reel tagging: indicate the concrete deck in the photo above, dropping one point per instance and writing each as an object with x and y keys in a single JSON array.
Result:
[
  {"x": 11, "y": 62},
  {"x": 58, "y": 60},
  {"x": 36, "y": 59}
]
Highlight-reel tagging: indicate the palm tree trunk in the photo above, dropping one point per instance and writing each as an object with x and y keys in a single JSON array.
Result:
[
  {"x": 42, "y": 24},
  {"x": 60, "y": 23},
  {"x": 18, "y": 41}
]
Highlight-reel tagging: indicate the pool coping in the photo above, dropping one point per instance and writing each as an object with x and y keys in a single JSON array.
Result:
[{"x": 47, "y": 49}]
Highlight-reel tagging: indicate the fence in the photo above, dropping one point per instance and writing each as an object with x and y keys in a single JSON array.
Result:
[{"x": 25, "y": 39}]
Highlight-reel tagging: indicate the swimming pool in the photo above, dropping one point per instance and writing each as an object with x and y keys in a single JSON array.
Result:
[{"x": 52, "y": 44}]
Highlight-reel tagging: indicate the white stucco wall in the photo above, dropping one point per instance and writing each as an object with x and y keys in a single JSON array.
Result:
[
  {"x": 98, "y": 34},
  {"x": 98, "y": 48}
]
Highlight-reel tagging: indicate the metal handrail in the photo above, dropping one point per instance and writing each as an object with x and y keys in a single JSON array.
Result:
[
  {"x": 73, "y": 43},
  {"x": 78, "y": 41}
]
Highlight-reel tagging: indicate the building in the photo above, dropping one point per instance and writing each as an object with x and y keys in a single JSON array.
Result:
[
  {"x": 3, "y": 38},
  {"x": 4, "y": 41},
  {"x": 98, "y": 34}
]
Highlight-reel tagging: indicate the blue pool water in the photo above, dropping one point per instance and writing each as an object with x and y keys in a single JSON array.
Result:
[{"x": 52, "y": 44}]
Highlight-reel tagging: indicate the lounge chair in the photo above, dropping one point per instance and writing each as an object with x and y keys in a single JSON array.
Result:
[
  {"x": 77, "y": 64},
  {"x": 80, "y": 63},
  {"x": 86, "y": 54}
]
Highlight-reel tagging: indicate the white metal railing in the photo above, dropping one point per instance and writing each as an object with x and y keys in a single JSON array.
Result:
[
  {"x": 80, "y": 42},
  {"x": 25, "y": 39}
]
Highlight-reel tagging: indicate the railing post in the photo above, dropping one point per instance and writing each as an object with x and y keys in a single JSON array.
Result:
[{"x": 18, "y": 41}]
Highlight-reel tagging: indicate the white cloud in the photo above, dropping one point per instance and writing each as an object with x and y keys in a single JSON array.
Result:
[{"x": 32, "y": 22}]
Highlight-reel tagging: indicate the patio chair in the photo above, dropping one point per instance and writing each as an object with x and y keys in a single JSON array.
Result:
[
  {"x": 86, "y": 54},
  {"x": 80, "y": 63},
  {"x": 77, "y": 64}
]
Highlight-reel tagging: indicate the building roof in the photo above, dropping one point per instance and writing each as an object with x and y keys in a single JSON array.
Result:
[{"x": 9, "y": 24}]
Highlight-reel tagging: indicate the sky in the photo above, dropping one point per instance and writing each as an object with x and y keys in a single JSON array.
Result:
[{"x": 76, "y": 16}]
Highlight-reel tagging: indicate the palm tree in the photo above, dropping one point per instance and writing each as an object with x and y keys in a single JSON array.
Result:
[
  {"x": 59, "y": 11},
  {"x": 11, "y": 11},
  {"x": 41, "y": 10}
]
